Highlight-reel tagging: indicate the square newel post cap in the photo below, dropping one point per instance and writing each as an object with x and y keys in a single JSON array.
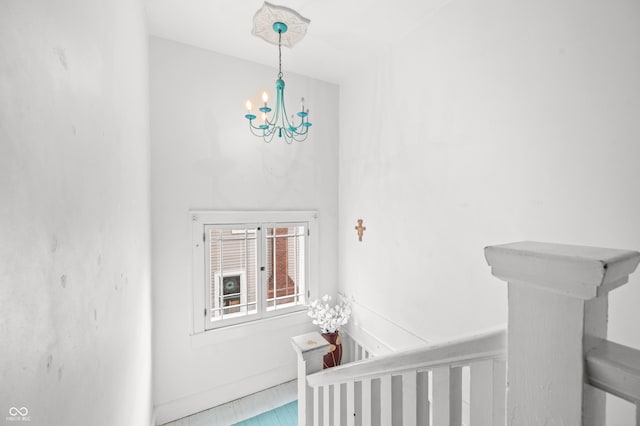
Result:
[
  {"x": 575, "y": 271},
  {"x": 310, "y": 345}
]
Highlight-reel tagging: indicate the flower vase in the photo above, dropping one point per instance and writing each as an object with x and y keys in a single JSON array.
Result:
[{"x": 334, "y": 356}]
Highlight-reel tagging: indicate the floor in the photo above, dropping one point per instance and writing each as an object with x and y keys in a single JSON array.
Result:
[
  {"x": 287, "y": 415},
  {"x": 243, "y": 408}
]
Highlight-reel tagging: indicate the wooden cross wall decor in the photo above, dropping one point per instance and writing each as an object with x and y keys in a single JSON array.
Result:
[{"x": 360, "y": 229}]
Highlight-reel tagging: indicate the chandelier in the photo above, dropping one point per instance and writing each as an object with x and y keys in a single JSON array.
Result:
[{"x": 269, "y": 23}]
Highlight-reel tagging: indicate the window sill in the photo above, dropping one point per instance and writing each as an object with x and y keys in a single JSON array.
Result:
[{"x": 249, "y": 329}]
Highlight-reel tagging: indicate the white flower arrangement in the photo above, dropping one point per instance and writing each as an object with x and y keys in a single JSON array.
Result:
[{"x": 329, "y": 318}]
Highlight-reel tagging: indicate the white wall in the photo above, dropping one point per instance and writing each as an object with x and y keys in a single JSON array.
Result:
[
  {"x": 203, "y": 157},
  {"x": 74, "y": 217},
  {"x": 491, "y": 122}
]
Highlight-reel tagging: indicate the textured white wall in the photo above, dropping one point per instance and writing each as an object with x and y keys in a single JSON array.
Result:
[
  {"x": 491, "y": 122},
  {"x": 203, "y": 157},
  {"x": 74, "y": 216}
]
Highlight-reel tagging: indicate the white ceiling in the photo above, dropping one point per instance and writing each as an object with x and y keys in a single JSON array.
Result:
[{"x": 341, "y": 35}]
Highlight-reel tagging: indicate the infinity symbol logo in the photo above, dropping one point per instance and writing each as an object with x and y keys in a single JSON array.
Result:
[{"x": 13, "y": 411}]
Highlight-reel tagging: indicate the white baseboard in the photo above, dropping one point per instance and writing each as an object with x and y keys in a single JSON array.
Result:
[{"x": 179, "y": 408}]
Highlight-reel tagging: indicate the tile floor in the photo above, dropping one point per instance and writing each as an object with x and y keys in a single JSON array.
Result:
[
  {"x": 287, "y": 415},
  {"x": 243, "y": 408}
]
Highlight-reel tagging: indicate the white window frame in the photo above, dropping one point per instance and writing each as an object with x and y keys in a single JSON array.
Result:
[
  {"x": 234, "y": 318},
  {"x": 200, "y": 292}
]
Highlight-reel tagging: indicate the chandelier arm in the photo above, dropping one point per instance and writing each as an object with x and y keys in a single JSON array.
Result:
[
  {"x": 296, "y": 136},
  {"x": 300, "y": 130},
  {"x": 268, "y": 122},
  {"x": 254, "y": 133},
  {"x": 252, "y": 126},
  {"x": 299, "y": 126},
  {"x": 268, "y": 137},
  {"x": 299, "y": 139},
  {"x": 288, "y": 137},
  {"x": 269, "y": 131},
  {"x": 301, "y": 136}
]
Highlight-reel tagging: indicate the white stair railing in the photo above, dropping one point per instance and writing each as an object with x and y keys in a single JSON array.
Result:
[
  {"x": 559, "y": 362},
  {"x": 418, "y": 387},
  {"x": 615, "y": 369}
]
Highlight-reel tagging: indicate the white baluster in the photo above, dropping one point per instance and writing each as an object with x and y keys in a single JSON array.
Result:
[
  {"x": 422, "y": 398},
  {"x": 456, "y": 396},
  {"x": 366, "y": 402},
  {"x": 409, "y": 409},
  {"x": 336, "y": 404},
  {"x": 326, "y": 402},
  {"x": 385, "y": 400},
  {"x": 351, "y": 400},
  {"x": 447, "y": 396},
  {"x": 441, "y": 401},
  {"x": 354, "y": 353}
]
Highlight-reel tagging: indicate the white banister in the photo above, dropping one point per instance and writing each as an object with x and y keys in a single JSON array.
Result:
[
  {"x": 457, "y": 353},
  {"x": 557, "y": 313},
  {"x": 311, "y": 348},
  {"x": 615, "y": 369},
  {"x": 394, "y": 389}
]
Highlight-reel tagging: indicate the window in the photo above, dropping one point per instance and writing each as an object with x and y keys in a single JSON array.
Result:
[{"x": 250, "y": 265}]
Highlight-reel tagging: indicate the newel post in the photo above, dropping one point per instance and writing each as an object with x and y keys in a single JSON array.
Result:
[
  {"x": 311, "y": 348},
  {"x": 557, "y": 312}
]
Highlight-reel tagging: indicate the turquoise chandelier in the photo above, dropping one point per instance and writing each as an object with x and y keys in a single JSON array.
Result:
[{"x": 276, "y": 122}]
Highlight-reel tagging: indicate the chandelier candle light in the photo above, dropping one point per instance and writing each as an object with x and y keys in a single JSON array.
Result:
[{"x": 278, "y": 122}]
